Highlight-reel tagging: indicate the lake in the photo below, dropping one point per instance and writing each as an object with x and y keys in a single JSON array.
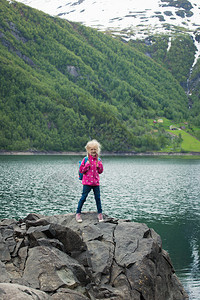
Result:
[{"x": 162, "y": 192}]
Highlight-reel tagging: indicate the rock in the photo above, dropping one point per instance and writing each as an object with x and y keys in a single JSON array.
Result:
[
  {"x": 20, "y": 292},
  {"x": 4, "y": 252},
  {"x": 63, "y": 259},
  {"x": 48, "y": 268},
  {"x": 4, "y": 276},
  {"x": 73, "y": 71},
  {"x": 67, "y": 294}
]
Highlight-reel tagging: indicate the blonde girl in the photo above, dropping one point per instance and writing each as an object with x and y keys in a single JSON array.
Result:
[{"x": 91, "y": 168}]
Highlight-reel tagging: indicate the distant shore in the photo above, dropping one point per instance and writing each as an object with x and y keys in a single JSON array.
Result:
[{"x": 103, "y": 153}]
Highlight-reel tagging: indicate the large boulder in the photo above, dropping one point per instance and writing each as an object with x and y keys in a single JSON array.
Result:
[
  {"x": 62, "y": 259},
  {"x": 20, "y": 292}
]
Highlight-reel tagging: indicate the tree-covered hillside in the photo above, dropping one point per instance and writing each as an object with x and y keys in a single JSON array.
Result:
[
  {"x": 177, "y": 55},
  {"x": 63, "y": 83},
  {"x": 194, "y": 97}
]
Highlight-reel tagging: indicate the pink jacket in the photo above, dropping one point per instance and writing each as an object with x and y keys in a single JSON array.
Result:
[{"x": 91, "y": 171}]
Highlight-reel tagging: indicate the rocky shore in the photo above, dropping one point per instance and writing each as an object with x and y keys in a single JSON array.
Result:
[
  {"x": 36, "y": 152},
  {"x": 54, "y": 257}
]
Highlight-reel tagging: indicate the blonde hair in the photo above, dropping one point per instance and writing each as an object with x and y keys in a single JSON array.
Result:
[{"x": 93, "y": 143}]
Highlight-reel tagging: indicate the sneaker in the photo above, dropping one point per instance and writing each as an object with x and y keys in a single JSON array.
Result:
[
  {"x": 100, "y": 217},
  {"x": 78, "y": 218}
]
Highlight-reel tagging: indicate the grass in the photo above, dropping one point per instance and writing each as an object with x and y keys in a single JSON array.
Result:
[{"x": 189, "y": 143}]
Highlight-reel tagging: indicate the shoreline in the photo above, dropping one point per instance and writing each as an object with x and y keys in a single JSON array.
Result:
[{"x": 68, "y": 153}]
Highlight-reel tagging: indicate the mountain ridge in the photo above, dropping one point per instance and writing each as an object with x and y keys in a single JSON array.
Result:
[
  {"x": 63, "y": 83},
  {"x": 135, "y": 19},
  {"x": 180, "y": 13},
  {"x": 132, "y": 20}
]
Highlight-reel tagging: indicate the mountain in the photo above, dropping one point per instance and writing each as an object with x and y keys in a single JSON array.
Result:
[
  {"x": 63, "y": 83},
  {"x": 172, "y": 21},
  {"x": 152, "y": 15},
  {"x": 130, "y": 19}
]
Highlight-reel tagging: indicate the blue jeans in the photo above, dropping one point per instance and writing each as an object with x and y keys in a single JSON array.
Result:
[{"x": 86, "y": 190}]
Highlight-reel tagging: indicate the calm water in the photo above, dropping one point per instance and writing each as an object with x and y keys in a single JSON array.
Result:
[{"x": 164, "y": 193}]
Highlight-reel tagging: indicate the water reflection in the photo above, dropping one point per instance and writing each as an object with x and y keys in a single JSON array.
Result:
[
  {"x": 163, "y": 193},
  {"x": 190, "y": 275}
]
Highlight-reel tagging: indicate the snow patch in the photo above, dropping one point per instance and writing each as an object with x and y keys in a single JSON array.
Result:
[
  {"x": 169, "y": 43},
  {"x": 139, "y": 16}
]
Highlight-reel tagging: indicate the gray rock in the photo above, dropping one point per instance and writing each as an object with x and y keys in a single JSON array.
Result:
[
  {"x": 116, "y": 259},
  {"x": 131, "y": 244},
  {"x": 50, "y": 243},
  {"x": 100, "y": 256},
  {"x": 48, "y": 269},
  {"x": 4, "y": 252},
  {"x": 7, "y": 222},
  {"x": 4, "y": 275},
  {"x": 69, "y": 238},
  {"x": 22, "y": 255},
  {"x": 67, "y": 294},
  {"x": 73, "y": 71},
  {"x": 10, "y": 291}
]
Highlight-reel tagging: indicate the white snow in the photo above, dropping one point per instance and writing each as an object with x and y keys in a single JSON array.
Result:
[
  {"x": 112, "y": 13},
  {"x": 136, "y": 17},
  {"x": 169, "y": 43}
]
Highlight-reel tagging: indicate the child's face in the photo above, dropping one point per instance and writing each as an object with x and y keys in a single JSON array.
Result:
[{"x": 92, "y": 150}]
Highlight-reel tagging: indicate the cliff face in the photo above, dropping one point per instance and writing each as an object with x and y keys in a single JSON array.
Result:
[{"x": 57, "y": 258}]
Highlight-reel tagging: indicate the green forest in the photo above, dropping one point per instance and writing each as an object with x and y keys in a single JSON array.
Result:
[{"x": 63, "y": 83}]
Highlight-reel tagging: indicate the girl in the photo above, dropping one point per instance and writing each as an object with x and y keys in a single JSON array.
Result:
[{"x": 91, "y": 170}]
